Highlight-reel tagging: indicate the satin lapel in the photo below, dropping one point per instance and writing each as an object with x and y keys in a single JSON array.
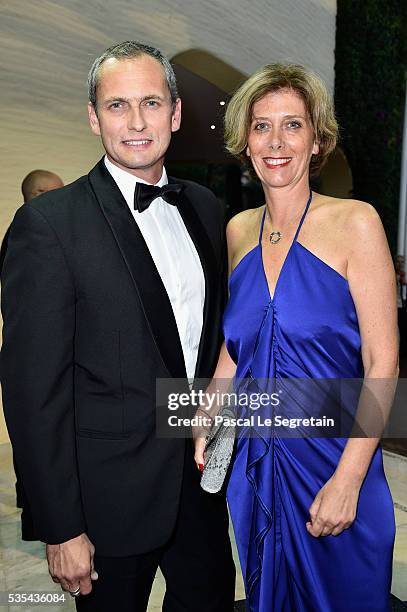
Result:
[
  {"x": 147, "y": 281},
  {"x": 206, "y": 254}
]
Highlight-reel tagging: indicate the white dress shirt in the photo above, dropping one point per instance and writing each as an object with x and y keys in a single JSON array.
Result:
[{"x": 175, "y": 258}]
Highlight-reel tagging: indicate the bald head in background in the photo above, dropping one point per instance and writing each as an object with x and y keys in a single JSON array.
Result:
[
  {"x": 35, "y": 183},
  {"x": 39, "y": 181}
]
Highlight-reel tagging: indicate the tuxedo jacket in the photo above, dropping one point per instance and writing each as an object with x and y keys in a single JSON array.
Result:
[{"x": 88, "y": 328}]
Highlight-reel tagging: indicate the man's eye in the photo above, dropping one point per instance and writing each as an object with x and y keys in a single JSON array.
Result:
[
  {"x": 151, "y": 103},
  {"x": 115, "y": 105}
]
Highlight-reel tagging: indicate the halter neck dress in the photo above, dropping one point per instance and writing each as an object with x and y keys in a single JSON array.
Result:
[{"x": 308, "y": 329}]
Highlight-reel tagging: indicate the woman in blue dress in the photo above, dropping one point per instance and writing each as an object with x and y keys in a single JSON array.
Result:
[{"x": 312, "y": 296}]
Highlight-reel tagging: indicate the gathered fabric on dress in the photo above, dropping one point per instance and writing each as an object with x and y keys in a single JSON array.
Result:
[{"x": 307, "y": 330}]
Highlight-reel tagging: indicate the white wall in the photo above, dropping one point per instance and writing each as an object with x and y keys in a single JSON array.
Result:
[{"x": 47, "y": 46}]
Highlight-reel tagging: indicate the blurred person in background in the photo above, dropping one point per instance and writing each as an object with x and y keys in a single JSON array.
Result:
[
  {"x": 401, "y": 302},
  {"x": 35, "y": 183},
  {"x": 39, "y": 181}
]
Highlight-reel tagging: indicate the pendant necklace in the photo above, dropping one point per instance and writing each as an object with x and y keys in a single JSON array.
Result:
[{"x": 275, "y": 237}]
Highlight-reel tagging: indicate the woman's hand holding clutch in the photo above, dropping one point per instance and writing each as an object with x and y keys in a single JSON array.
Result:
[{"x": 200, "y": 443}]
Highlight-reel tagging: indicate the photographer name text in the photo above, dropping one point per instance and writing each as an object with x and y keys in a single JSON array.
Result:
[{"x": 254, "y": 420}]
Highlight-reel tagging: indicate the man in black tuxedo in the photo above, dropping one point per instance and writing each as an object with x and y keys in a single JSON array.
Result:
[{"x": 108, "y": 285}]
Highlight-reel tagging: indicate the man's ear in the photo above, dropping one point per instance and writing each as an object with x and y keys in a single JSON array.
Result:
[
  {"x": 176, "y": 116},
  {"x": 93, "y": 119}
]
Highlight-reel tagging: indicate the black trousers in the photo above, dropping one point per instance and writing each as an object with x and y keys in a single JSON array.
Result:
[{"x": 196, "y": 563}]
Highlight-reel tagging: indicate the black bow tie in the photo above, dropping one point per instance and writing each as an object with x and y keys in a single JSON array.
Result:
[{"x": 145, "y": 194}]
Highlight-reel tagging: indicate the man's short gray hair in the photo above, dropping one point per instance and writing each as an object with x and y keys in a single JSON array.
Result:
[{"x": 130, "y": 49}]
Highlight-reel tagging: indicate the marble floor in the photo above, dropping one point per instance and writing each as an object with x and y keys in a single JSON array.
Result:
[{"x": 23, "y": 568}]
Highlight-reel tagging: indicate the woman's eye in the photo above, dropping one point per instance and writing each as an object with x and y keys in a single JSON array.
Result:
[
  {"x": 294, "y": 124},
  {"x": 260, "y": 126}
]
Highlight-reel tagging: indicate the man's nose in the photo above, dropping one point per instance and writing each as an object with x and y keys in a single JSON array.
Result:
[{"x": 136, "y": 120}]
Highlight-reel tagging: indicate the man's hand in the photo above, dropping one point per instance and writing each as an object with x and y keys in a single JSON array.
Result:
[{"x": 71, "y": 564}]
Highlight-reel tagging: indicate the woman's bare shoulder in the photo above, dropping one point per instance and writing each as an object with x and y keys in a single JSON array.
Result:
[
  {"x": 242, "y": 233},
  {"x": 348, "y": 213},
  {"x": 244, "y": 223},
  {"x": 246, "y": 217},
  {"x": 361, "y": 219}
]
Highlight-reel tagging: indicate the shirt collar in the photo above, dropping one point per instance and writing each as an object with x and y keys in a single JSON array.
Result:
[{"x": 126, "y": 181}]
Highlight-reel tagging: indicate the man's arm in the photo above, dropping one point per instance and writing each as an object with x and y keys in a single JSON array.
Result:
[{"x": 38, "y": 307}]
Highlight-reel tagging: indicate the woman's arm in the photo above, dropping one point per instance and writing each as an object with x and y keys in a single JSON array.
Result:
[{"x": 371, "y": 280}]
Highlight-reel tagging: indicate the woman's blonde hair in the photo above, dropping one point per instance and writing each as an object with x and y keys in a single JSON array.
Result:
[{"x": 271, "y": 78}]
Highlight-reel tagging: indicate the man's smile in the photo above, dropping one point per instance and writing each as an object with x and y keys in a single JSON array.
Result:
[{"x": 137, "y": 143}]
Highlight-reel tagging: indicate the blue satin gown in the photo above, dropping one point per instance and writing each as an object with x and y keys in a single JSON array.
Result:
[{"x": 308, "y": 329}]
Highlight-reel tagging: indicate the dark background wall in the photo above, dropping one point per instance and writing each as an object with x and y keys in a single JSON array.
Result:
[{"x": 370, "y": 76}]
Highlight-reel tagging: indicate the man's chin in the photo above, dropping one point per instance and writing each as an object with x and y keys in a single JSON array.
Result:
[
  {"x": 148, "y": 170},
  {"x": 131, "y": 163}
]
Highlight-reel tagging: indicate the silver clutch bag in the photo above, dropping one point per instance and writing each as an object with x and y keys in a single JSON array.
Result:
[{"x": 218, "y": 451}]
